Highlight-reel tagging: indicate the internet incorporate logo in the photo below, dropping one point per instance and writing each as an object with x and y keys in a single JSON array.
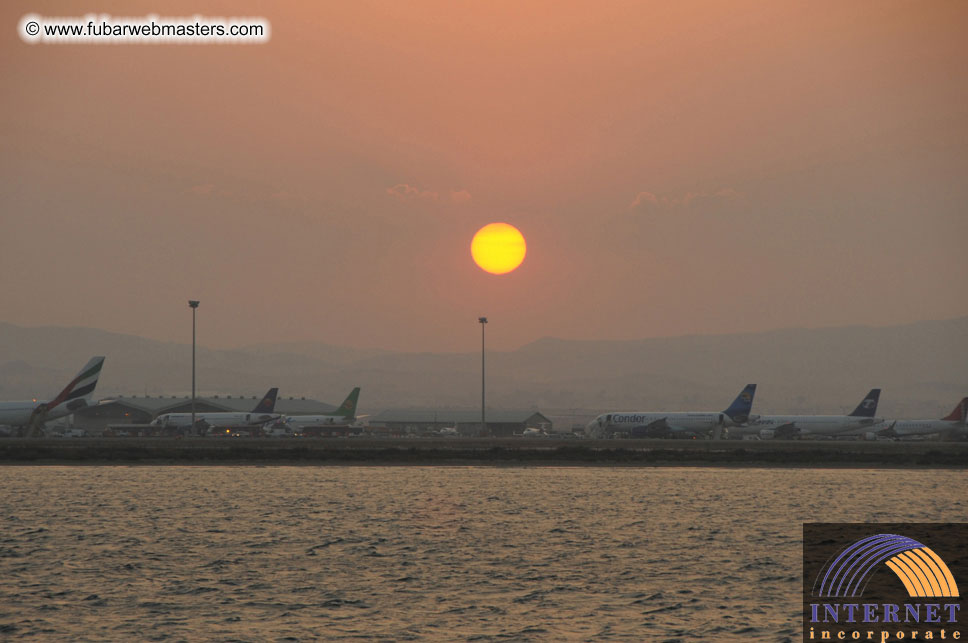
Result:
[
  {"x": 922, "y": 571},
  {"x": 877, "y": 582}
]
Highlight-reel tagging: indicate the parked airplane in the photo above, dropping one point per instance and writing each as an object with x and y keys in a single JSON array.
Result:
[
  {"x": 345, "y": 415},
  {"x": 33, "y": 413},
  {"x": 792, "y": 426},
  {"x": 951, "y": 424},
  {"x": 262, "y": 413},
  {"x": 658, "y": 425}
]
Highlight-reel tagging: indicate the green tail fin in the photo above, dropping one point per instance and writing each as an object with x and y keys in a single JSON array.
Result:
[{"x": 348, "y": 407}]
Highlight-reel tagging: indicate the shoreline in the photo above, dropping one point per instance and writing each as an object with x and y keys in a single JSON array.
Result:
[
  {"x": 477, "y": 464},
  {"x": 496, "y": 452}
]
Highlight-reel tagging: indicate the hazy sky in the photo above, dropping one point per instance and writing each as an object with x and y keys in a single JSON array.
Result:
[{"x": 694, "y": 167}]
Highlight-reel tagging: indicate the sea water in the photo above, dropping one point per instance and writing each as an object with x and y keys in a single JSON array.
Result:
[{"x": 242, "y": 553}]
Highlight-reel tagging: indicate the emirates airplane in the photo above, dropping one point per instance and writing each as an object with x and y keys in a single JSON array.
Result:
[{"x": 76, "y": 395}]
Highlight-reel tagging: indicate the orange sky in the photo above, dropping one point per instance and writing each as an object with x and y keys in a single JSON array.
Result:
[{"x": 699, "y": 167}]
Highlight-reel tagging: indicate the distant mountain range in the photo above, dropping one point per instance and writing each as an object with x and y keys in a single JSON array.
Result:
[{"x": 920, "y": 366}]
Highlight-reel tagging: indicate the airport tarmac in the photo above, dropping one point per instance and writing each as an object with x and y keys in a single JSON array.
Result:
[{"x": 485, "y": 451}]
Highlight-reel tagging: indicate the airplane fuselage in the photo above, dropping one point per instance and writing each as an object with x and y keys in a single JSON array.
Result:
[
  {"x": 903, "y": 428},
  {"x": 18, "y": 413},
  {"x": 178, "y": 420},
  {"x": 627, "y": 423},
  {"x": 301, "y": 421},
  {"x": 813, "y": 424}
]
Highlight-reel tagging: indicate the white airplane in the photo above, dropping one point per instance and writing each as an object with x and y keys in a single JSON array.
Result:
[
  {"x": 659, "y": 425},
  {"x": 33, "y": 413},
  {"x": 343, "y": 416},
  {"x": 262, "y": 413},
  {"x": 951, "y": 424},
  {"x": 793, "y": 426}
]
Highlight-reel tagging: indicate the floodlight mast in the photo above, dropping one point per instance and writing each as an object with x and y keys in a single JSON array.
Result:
[
  {"x": 483, "y": 321},
  {"x": 193, "y": 304}
]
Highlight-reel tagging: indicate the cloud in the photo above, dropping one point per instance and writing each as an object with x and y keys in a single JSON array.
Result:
[
  {"x": 203, "y": 189},
  {"x": 730, "y": 194},
  {"x": 650, "y": 202},
  {"x": 406, "y": 192},
  {"x": 460, "y": 196},
  {"x": 644, "y": 198}
]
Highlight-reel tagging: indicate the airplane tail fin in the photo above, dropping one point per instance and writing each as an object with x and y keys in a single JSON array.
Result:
[
  {"x": 76, "y": 394},
  {"x": 868, "y": 406},
  {"x": 268, "y": 403},
  {"x": 739, "y": 410},
  {"x": 348, "y": 407},
  {"x": 958, "y": 415}
]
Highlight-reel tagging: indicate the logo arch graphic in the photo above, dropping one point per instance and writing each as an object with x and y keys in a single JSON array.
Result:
[{"x": 922, "y": 571}]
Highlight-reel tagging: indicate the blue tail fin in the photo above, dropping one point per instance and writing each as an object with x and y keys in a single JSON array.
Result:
[
  {"x": 268, "y": 403},
  {"x": 739, "y": 410},
  {"x": 868, "y": 407}
]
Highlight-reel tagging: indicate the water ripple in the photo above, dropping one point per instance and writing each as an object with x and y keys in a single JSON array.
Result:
[{"x": 424, "y": 553}]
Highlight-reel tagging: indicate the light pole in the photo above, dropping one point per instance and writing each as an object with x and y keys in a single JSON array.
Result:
[
  {"x": 194, "y": 305},
  {"x": 483, "y": 321}
]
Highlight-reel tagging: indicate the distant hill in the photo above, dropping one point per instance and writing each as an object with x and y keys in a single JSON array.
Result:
[{"x": 920, "y": 366}]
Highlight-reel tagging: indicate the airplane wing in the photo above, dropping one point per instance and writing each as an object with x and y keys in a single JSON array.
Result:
[
  {"x": 35, "y": 425},
  {"x": 887, "y": 432},
  {"x": 786, "y": 431},
  {"x": 655, "y": 429}
]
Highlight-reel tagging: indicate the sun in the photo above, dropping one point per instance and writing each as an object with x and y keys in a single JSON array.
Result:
[{"x": 498, "y": 248}]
